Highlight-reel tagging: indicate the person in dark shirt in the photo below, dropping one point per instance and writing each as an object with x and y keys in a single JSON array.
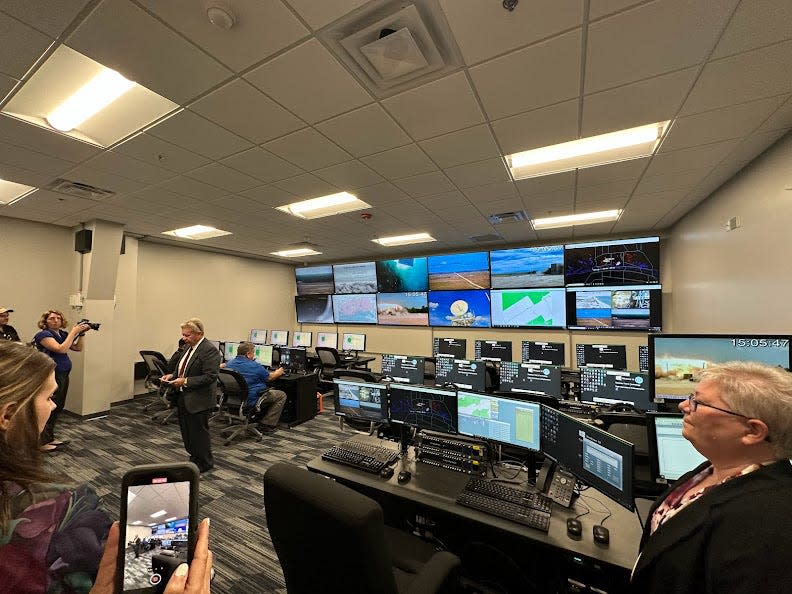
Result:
[
  {"x": 7, "y": 331},
  {"x": 257, "y": 376}
]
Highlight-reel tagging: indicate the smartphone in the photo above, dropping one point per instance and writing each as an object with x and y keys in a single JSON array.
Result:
[{"x": 159, "y": 525}]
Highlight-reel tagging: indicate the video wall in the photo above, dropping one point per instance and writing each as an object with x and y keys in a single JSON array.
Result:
[{"x": 604, "y": 285}]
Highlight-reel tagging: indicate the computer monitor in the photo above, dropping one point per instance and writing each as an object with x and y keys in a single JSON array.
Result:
[
  {"x": 530, "y": 378},
  {"x": 327, "y": 339},
  {"x": 217, "y": 344},
  {"x": 676, "y": 359},
  {"x": 301, "y": 339},
  {"x": 505, "y": 420},
  {"x": 610, "y": 386},
  {"x": 263, "y": 354},
  {"x": 469, "y": 375},
  {"x": 279, "y": 337},
  {"x": 403, "y": 368},
  {"x": 314, "y": 309},
  {"x": 643, "y": 358},
  {"x": 355, "y": 309},
  {"x": 517, "y": 268},
  {"x": 670, "y": 454},
  {"x": 258, "y": 336},
  {"x": 449, "y": 347},
  {"x": 528, "y": 308},
  {"x": 230, "y": 350},
  {"x": 626, "y": 307},
  {"x": 594, "y": 456},
  {"x": 353, "y": 342},
  {"x": 609, "y": 356},
  {"x": 361, "y": 401},
  {"x": 618, "y": 262},
  {"x": 293, "y": 359},
  {"x": 459, "y": 308},
  {"x": 492, "y": 350},
  {"x": 423, "y": 407},
  {"x": 548, "y": 353}
]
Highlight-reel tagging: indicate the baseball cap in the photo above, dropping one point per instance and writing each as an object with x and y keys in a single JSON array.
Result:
[{"x": 5, "y": 310}]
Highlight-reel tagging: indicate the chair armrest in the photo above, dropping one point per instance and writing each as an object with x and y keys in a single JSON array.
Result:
[
  {"x": 257, "y": 406},
  {"x": 434, "y": 573}
]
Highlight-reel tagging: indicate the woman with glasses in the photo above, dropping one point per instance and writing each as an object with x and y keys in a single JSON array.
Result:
[{"x": 726, "y": 526}]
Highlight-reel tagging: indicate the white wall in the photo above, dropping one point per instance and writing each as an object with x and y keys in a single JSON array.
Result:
[{"x": 737, "y": 281}]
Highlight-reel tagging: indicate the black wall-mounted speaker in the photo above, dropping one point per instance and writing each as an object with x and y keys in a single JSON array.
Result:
[{"x": 83, "y": 240}]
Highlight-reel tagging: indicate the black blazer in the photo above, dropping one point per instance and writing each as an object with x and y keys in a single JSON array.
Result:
[
  {"x": 200, "y": 392},
  {"x": 737, "y": 538}
]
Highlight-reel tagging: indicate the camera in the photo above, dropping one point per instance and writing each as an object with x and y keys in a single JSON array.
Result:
[{"x": 91, "y": 325}]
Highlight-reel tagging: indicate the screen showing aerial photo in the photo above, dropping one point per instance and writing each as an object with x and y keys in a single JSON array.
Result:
[
  {"x": 404, "y": 274},
  {"x": 528, "y": 267},
  {"x": 355, "y": 278},
  {"x": 314, "y": 280},
  {"x": 402, "y": 309},
  {"x": 459, "y": 271},
  {"x": 459, "y": 308},
  {"x": 355, "y": 309}
]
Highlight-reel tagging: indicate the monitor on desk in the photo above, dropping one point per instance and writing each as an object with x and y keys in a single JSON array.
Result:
[
  {"x": 327, "y": 339},
  {"x": 230, "y": 350},
  {"x": 670, "y": 454},
  {"x": 609, "y": 356},
  {"x": 594, "y": 456},
  {"x": 361, "y": 401},
  {"x": 492, "y": 350},
  {"x": 258, "y": 336},
  {"x": 302, "y": 339},
  {"x": 547, "y": 353},
  {"x": 353, "y": 342},
  {"x": 449, "y": 347},
  {"x": 505, "y": 420},
  {"x": 469, "y": 375},
  {"x": 279, "y": 337},
  {"x": 293, "y": 359},
  {"x": 611, "y": 386},
  {"x": 262, "y": 353},
  {"x": 403, "y": 368},
  {"x": 425, "y": 408},
  {"x": 531, "y": 378}
]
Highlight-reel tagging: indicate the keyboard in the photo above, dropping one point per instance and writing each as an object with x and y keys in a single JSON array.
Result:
[
  {"x": 502, "y": 492},
  {"x": 533, "y": 518},
  {"x": 363, "y": 456}
]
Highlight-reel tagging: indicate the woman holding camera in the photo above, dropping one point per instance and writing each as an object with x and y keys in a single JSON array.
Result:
[{"x": 54, "y": 341}]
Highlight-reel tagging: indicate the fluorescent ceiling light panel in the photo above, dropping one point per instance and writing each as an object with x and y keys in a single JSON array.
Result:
[
  {"x": 296, "y": 253},
  {"x": 324, "y": 206},
  {"x": 74, "y": 95},
  {"x": 170, "y": 519},
  {"x": 404, "y": 239},
  {"x": 623, "y": 145},
  {"x": 197, "y": 232},
  {"x": 10, "y": 191},
  {"x": 585, "y": 218},
  {"x": 161, "y": 512},
  {"x": 136, "y": 522}
]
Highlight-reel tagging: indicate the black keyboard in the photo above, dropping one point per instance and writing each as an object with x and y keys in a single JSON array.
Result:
[
  {"x": 363, "y": 456},
  {"x": 501, "y": 492},
  {"x": 533, "y": 518}
]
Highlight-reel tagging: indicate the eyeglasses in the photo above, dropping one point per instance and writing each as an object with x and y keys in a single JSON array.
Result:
[{"x": 694, "y": 404}]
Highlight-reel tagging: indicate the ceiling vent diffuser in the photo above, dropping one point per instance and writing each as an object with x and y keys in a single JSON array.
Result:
[
  {"x": 79, "y": 190},
  {"x": 500, "y": 218}
]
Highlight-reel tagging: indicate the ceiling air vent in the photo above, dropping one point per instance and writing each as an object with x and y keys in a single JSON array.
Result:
[
  {"x": 488, "y": 238},
  {"x": 79, "y": 190},
  {"x": 500, "y": 218}
]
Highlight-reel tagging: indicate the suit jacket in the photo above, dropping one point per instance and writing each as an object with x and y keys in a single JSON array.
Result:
[
  {"x": 202, "y": 370},
  {"x": 736, "y": 538}
]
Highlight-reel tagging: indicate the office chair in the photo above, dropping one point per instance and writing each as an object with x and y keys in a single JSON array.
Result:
[
  {"x": 234, "y": 407},
  {"x": 331, "y": 539},
  {"x": 155, "y": 363}
]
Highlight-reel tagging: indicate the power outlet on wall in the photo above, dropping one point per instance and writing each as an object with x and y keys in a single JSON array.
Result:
[{"x": 732, "y": 224}]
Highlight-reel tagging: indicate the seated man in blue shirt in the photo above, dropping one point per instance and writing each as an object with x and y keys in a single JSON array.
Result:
[{"x": 257, "y": 376}]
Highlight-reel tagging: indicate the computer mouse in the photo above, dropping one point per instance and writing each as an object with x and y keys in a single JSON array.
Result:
[
  {"x": 404, "y": 477},
  {"x": 574, "y": 528},
  {"x": 601, "y": 534},
  {"x": 386, "y": 472}
]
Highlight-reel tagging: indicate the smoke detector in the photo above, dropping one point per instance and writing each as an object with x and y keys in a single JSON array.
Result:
[{"x": 220, "y": 15}]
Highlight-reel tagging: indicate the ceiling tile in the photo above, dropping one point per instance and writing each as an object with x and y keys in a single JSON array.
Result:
[
  {"x": 349, "y": 176},
  {"x": 163, "y": 198},
  {"x": 755, "y": 145},
  {"x": 310, "y": 81},
  {"x": 21, "y": 157},
  {"x": 550, "y": 203},
  {"x": 246, "y": 111},
  {"x": 165, "y": 63},
  {"x": 601, "y": 8},
  {"x": 464, "y": 146},
  {"x": 781, "y": 118},
  {"x": 44, "y": 141},
  {"x": 48, "y": 16},
  {"x": 615, "y": 189},
  {"x": 224, "y": 177},
  {"x": 187, "y": 186},
  {"x": 755, "y": 24},
  {"x": 22, "y": 175},
  {"x": 319, "y": 14},
  {"x": 161, "y": 153},
  {"x": 681, "y": 181},
  {"x": 308, "y": 149},
  {"x": 623, "y": 170},
  {"x": 494, "y": 191},
  {"x": 546, "y": 183},
  {"x": 194, "y": 133},
  {"x": 6, "y": 85},
  {"x": 436, "y": 108},
  {"x": 20, "y": 46},
  {"x": 364, "y": 131},
  {"x": 400, "y": 162},
  {"x": 381, "y": 194},
  {"x": 479, "y": 174},
  {"x": 130, "y": 168},
  {"x": 306, "y": 186},
  {"x": 540, "y": 127},
  {"x": 262, "y": 165},
  {"x": 453, "y": 199},
  {"x": 495, "y": 80},
  {"x": 707, "y": 155},
  {"x": 270, "y": 195},
  {"x": 425, "y": 184},
  {"x": 55, "y": 203},
  {"x": 102, "y": 179}
]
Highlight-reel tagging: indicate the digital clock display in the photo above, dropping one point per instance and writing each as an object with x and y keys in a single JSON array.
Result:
[{"x": 762, "y": 343}]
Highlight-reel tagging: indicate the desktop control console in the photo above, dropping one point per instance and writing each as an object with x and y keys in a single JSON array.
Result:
[{"x": 460, "y": 454}]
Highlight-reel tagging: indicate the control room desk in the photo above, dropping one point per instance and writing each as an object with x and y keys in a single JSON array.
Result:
[
  {"x": 548, "y": 559},
  {"x": 300, "y": 389}
]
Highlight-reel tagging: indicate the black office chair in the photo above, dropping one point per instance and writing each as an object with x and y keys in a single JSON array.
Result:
[
  {"x": 331, "y": 539},
  {"x": 155, "y": 363},
  {"x": 234, "y": 407}
]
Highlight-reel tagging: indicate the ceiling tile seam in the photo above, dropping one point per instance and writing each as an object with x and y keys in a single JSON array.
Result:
[
  {"x": 753, "y": 49},
  {"x": 68, "y": 29},
  {"x": 621, "y": 11},
  {"x": 528, "y": 45}
]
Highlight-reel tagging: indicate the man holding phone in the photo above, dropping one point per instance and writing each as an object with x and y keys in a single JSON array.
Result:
[{"x": 193, "y": 375}]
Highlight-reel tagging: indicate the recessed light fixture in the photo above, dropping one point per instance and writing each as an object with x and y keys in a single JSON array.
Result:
[
  {"x": 585, "y": 218},
  {"x": 161, "y": 512},
  {"x": 623, "y": 145},
  {"x": 404, "y": 239},
  {"x": 170, "y": 519},
  {"x": 91, "y": 98},
  {"x": 324, "y": 206},
  {"x": 296, "y": 253},
  {"x": 10, "y": 191},
  {"x": 136, "y": 522},
  {"x": 197, "y": 232}
]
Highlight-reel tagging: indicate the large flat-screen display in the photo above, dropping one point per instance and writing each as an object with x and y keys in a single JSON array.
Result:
[
  {"x": 528, "y": 308},
  {"x": 596, "y": 457},
  {"x": 636, "y": 307},
  {"x": 355, "y": 309},
  {"x": 670, "y": 454},
  {"x": 528, "y": 267},
  {"x": 530, "y": 378},
  {"x": 402, "y": 309},
  {"x": 620, "y": 262},
  {"x": 449, "y": 347},
  {"x": 611, "y": 386},
  {"x": 402, "y": 275},
  {"x": 548, "y": 353},
  {"x": 470, "y": 375},
  {"x": 676, "y": 359},
  {"x": 425, "y": 408},
  {"x": 505, "y": 420},
  {"x": 459, "y": 271},
  {"x": 314, "y": 309},
  {"x": 459, "y": 308},
  {"x": 355, "y": 278},
  {"x": 314, "y": 280},
  {"x": 403, "y": 368},
  {"x": 361, "y": 401}
]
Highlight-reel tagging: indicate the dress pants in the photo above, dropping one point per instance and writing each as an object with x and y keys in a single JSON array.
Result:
[{"x": 195, "y": 435}]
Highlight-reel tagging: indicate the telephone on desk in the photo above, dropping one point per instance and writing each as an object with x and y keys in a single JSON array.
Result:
[{"x": 556, "y": 483}]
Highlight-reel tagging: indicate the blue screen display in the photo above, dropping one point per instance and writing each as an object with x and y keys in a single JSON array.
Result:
[
  {"x": 402, "y": 275},
  {"x": 459, "y": 308},
  {"x": 459, "y": 271},
  {"x": 528, "y": 267}
]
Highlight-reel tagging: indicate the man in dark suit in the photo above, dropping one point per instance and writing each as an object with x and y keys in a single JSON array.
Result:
[{"x": 193, "y": 372}]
